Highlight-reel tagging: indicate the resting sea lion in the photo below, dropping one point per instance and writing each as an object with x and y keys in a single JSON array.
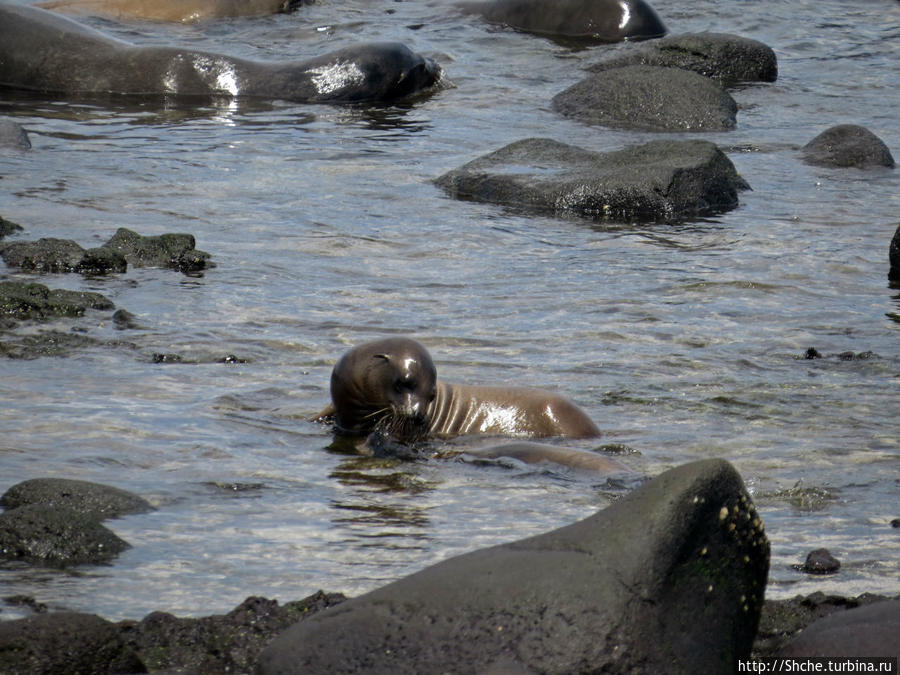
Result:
[
  {"x": 170, "y": 10},
  {"x": 42, "y": 51},
  {"x": 391, "y": 385},
  {"x": 585, "y": 20}
]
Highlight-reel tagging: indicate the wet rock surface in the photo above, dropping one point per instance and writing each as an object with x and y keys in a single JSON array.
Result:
[
  {"x": 728, "y": 59},
  {"x": 659, "y": 181},
  {"x": 650, "y": 98},
  {"x": 847, "y": 145},
  {"x": 647, "y": 585}
]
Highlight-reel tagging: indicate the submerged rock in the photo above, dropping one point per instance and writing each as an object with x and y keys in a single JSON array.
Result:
[
  {"x": 668, "y": 579},
  {"x": 658, "y": 181},
  {"x": 728, "y": 59},
  {"x": 92, "y": 499},
  {"x": 48, "y": 255},
  {"x": 20, "y": 301},
  {"x": 165, "y": 250},
  {"x": 13, "y": 136},
  {"x": 56, "y": 536},
  {"x": 894, "y": 256},
  {"x": 649, "y": 98},
  {"x": 820, "y": 561},
  {"x": 8, "y": 227},
  {"x": 847, "y": 145},
  {"x": 587, "y": 21}
]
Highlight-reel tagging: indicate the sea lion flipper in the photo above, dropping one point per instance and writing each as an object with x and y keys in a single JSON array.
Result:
[{"x": 324, "y": 415}]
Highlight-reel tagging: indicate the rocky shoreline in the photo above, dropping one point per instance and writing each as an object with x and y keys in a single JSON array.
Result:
[{"x": 670, "y": 576}]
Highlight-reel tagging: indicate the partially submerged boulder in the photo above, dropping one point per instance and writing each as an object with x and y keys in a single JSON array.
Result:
[
  {"x": 173, "y": 250},
  {"x": 20, "y": 301},
  {"x": 50, "y": 255},
  {"x": 587, "y": 21},
  {"x": 92, "y": 499},
  {"x": 663, "y": 180},
  {"x": 847, "y": 145},
  {"x": 894, "y": 258},
  {"x": 13, "y": 136},
  {"x": 650, "y": 98},
  {"x": 668, "y": 579},
  {"x": 728, "y": 59},
  {"x": 56, "y": 536}
]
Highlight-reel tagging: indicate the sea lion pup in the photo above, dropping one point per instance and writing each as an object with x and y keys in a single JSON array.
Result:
[
  {"x": 170, "y": 10},
  {"x": 392, "y": 385},
  {"x": 386, "y": 393},
  {"x": 45, "y": 52}
]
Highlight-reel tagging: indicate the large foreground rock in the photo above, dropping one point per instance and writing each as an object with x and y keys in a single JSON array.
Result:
[
  {"x": 668, "y": 579},
  {"x": 847, "y": 145},
  {"x": 659, "y": 181},
  {"x": 649, "y": 98},
  {"x": 728, "y": 59}
]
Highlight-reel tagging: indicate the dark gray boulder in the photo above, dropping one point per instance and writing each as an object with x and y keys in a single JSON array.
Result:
[
  {"x": 658, "y": 181},
  {"x": 8, "y": 227},
  {"x": 668, "y": 579},
  {"x": 92, "y": 499},
  {"x": 649, "y": 98},
  {"x": 13, "y": 136},
  {"x": 872, "y": 630},
  {"x": 847, "y": 145},
  {"x": 48, "y": 255},
  {"x": 22, "y": 301},
  {"x": 56, "y": 536},
  {"x": 172, "y": 250},
  {"x": 581, "y": 21},
  {"x": 728, "y": 59},
  {"x": 65, "y": 642},
  {"x": 894, "y": 258}
]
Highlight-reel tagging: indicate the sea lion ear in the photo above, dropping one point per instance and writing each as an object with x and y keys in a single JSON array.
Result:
[{"x": 381, "y": 356}]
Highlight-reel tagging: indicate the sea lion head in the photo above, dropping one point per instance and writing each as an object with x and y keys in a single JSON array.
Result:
[
  {"x": 386, "y": 385},
  {"x": 372, "y": 72}
]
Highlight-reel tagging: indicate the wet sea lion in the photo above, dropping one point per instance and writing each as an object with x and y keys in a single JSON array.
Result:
[
  {"x": 583, "y": 20},
  {"x": 170, "y": 10},
  {"x": 44, "y": 52},
  {"x": 391, "y": 386}
]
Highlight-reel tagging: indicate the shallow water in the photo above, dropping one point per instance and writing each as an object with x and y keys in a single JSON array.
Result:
[{"x": 682, "y": 341}]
